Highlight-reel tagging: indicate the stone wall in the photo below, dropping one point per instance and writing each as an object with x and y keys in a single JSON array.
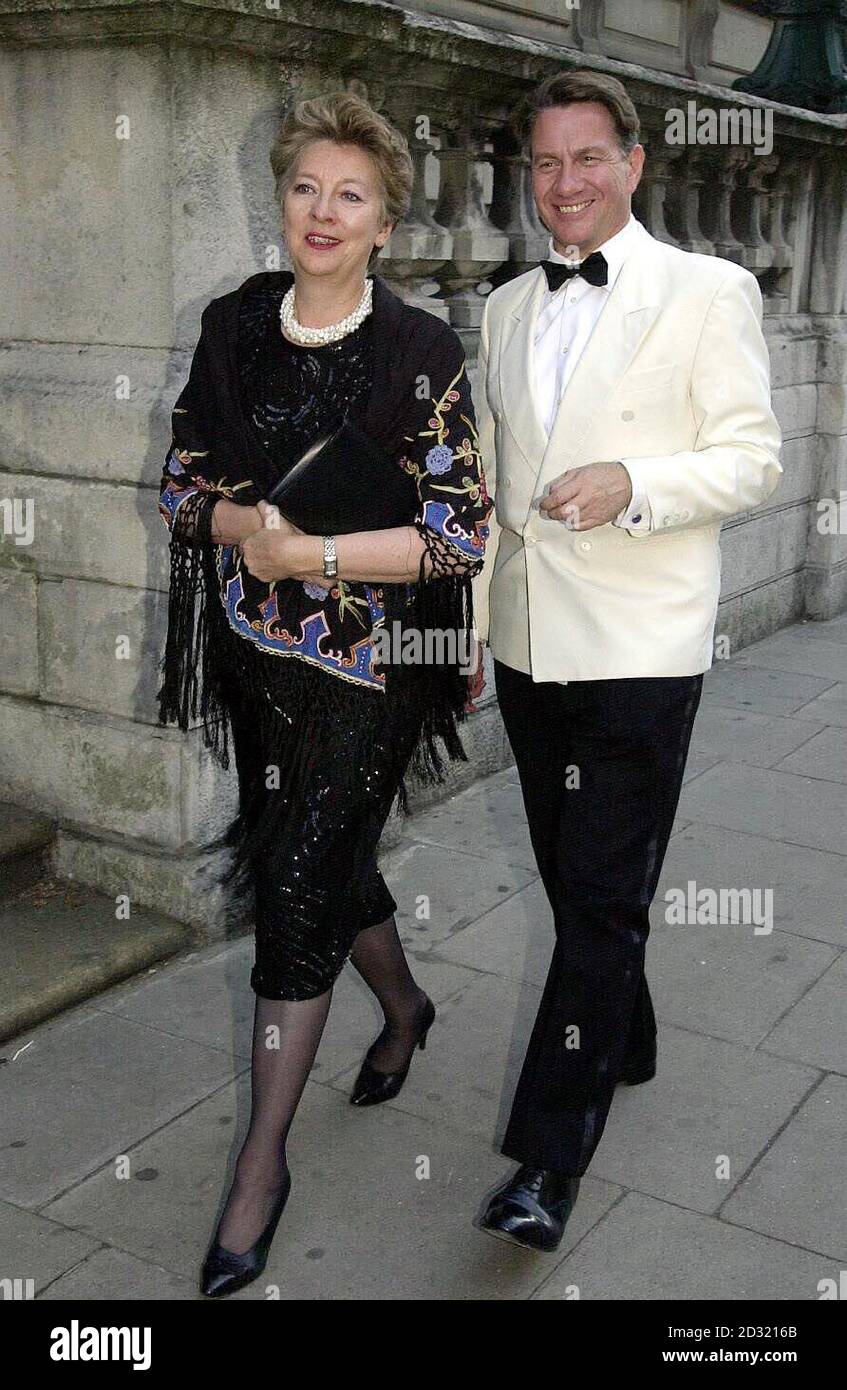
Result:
[
  {"x": 137, "y": 187},
  {"x": 713, "y": 40}
]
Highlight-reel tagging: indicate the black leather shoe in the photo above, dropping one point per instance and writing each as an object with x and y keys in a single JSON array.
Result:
[
  {"x": 531, "y": 1208},
  {"x": 639, "y": 1067},
  {"x": 224, "y": 1271},
  {"x": 374, "y": 1086}
]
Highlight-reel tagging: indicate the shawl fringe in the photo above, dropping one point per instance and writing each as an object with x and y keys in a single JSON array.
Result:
[{"x": 212, "y": 673}]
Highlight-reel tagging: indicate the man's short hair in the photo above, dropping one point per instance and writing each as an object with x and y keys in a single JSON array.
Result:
[{"x": 566, "y": 88}]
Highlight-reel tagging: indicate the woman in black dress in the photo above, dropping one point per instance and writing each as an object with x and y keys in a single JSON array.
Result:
[{"x": 284, "y": 653}]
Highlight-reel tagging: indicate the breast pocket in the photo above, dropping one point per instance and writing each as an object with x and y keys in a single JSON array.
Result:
[{"x": 648, "y": 379}]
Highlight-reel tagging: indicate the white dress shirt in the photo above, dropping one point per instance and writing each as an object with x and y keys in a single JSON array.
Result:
[{"x": 565, "y": 323}]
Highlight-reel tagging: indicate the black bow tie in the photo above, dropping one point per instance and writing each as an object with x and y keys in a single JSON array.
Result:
[{"x": 595, "y": 270}]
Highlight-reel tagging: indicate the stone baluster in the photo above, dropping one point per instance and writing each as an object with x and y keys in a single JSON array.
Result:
[
  {"x": 726, "y": 172},
  {"x": 419, "y": 246},
  {"x": 781, "y": 212},
  {"x": 751, "y": 201},
  {"x": 652, "y": 192},
  {"x": 513, "y": 210},
  {"x": 478, "y": 246},
  {"x": 696, "y": 170}
]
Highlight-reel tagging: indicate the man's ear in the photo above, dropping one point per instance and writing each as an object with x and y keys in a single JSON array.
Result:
[{"x": 637, "y": 156}]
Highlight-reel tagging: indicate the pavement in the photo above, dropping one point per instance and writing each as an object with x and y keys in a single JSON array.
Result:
[{"x": 723, "y": 1178}]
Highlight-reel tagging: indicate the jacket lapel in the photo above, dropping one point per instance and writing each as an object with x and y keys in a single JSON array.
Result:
[{"x": 517, "y": 371}]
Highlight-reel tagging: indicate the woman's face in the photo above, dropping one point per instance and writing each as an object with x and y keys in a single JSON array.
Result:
[{"x": 332, "y": 214}]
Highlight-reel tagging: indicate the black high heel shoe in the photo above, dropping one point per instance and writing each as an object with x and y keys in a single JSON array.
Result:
[
  {"x": 374, "y": 1086},
  {"x": 224, "y": 1271}
]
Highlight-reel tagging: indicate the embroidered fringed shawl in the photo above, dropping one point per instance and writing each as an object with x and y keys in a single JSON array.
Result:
[{"x": 420, "y": 411}]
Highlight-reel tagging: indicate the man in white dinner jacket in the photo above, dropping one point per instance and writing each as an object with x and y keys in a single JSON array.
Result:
[{"x": 624, "y": 411}]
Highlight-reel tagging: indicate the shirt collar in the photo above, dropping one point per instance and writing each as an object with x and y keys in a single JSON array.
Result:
[{"x": 615, "y": 250}]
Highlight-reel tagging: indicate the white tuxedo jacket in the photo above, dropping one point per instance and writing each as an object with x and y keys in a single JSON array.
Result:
[{"x": 674, "y": 382}]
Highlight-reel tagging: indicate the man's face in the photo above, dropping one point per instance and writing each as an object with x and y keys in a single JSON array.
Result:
[{"x": 582, "y": 181}]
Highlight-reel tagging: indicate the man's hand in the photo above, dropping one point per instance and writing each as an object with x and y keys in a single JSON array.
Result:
[
  {"x": 586, "y": 497},
  {"x": 476, "y": 681}
]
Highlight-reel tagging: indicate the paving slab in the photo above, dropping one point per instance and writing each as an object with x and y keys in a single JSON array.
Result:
[
  {"x": 647, "y": 1249},
  {"x": 808, "y": 884},
  {"x": 813, "y": 1030},
  {"x": 484, "y": 821},
  {"x": 779, "y": 805},
  {"x": 114, "y": 1276},
  {"x": 100, "y": 1083},
  {"x": 796, "y": 1191},
  {"x": 794, "y": 651},
  {"x": 440, "y": 890},
  {"x": 824, "y": 756},
  {"x": 725, "y": 734},
  {"x": 728, "y": 983},
  {"x": 381, "y": 1205},
  {"x": 697, "y": 763},
  {"x": 514, "y": 940},
  {"x": 32, "y": 1247},
  {"x": 829, "y": 708},
  {"x": 709, "y": 1099},
  {"x": 830, "y": 629},
  {"x": 755, "y": 688},
  {"x": 204, "y": 998}
]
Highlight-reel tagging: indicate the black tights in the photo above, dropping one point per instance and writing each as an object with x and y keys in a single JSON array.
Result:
[{"x": 286, "y": 1034}]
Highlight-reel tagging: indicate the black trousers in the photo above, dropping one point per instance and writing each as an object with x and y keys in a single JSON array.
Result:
[{"x": 600, "y": 764}]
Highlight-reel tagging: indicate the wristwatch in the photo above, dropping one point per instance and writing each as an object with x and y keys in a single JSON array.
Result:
[{"x": 330, "y": 558}]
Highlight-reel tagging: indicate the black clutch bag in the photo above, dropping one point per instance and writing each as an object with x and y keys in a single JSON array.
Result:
[{"x": 343, "y": 483}]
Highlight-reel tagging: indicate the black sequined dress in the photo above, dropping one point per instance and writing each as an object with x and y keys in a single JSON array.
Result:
[{"x": 317, "y": 779}]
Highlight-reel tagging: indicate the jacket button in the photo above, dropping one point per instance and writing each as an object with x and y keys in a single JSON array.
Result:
[
  {"x": 627, "y": 414},
  {"x": 585, "y": 545},
  {"x": 530, "y": 540},
  {"x": 685, "y": 516}
]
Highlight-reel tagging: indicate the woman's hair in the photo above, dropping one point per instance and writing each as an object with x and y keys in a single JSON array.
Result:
[
  {"x": 565, "y": 88},
  {"x": 347, "y": 119}
]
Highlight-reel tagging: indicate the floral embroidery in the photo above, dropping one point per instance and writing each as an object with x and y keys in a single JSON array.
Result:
[
  {"x": 439, "y": 459},
  {"x": 347, "y": 600},
  {"x": 315, "y": 590},
  {"x": 456, "y": 463}
]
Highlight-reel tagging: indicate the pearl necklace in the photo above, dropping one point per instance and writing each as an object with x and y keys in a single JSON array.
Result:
[{"x": 333, "y": 331}]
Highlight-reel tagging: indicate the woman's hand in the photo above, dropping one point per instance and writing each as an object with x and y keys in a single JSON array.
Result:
[
  {"x": 267, "y": 555},
  {"x": 232, "y": 523},
  {"x": 273, "y": 519}
]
